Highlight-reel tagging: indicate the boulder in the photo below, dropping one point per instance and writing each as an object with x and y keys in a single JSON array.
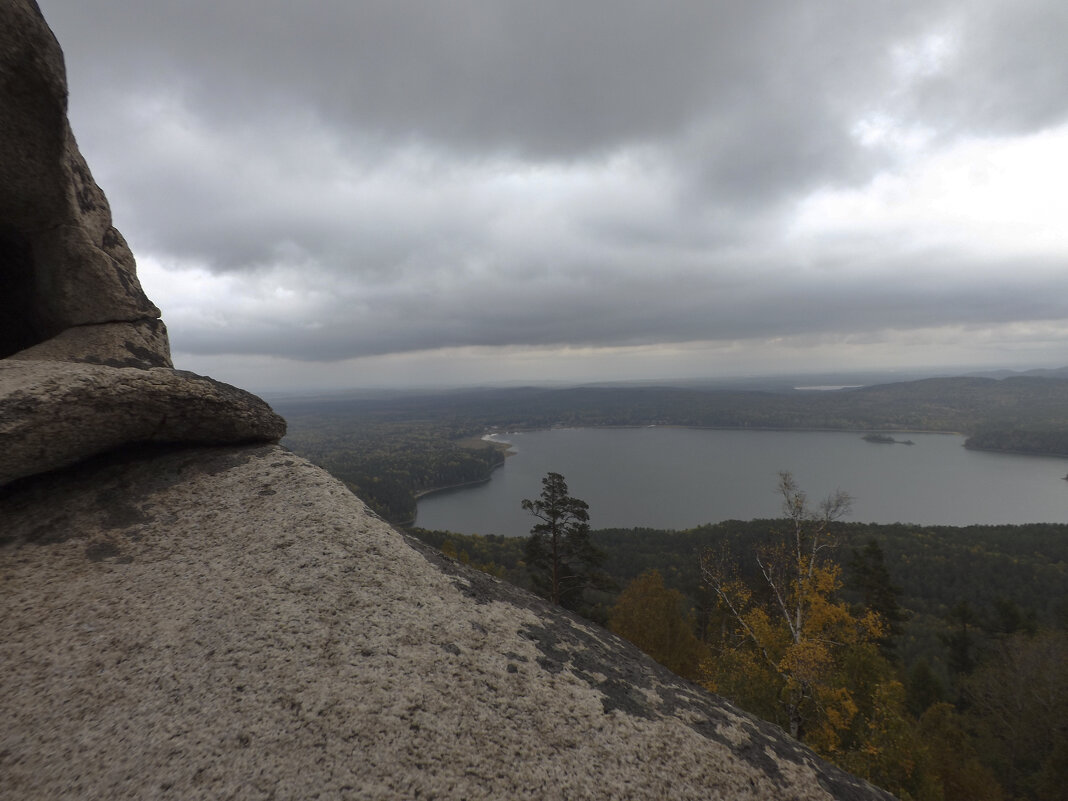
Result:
[
  {"x": 53, "y": 414},
  {"x": 234, "y": 623},
  {"x": 63, "y": 266}
]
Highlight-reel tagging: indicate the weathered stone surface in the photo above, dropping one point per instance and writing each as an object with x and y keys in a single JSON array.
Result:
[
  {"x": 71, "y": 309},
  {"x": 62, "y": 264},
  {"x": 53, "y": 414},
  {"x": 137, "y": 344},
  {"x": 233, "y": 623}
]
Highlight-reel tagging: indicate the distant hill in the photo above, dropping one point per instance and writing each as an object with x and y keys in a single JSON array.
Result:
[{"x": 1059, "y": 372}]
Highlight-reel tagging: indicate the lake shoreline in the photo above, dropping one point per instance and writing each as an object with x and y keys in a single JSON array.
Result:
[
  {"x": 525, "y": 430},
  {"x": 473, "y": 483},
  {"x": 687, "y": 475},
  {"x": 410, "y": 522},
  {"x": 860, "y": 431}
]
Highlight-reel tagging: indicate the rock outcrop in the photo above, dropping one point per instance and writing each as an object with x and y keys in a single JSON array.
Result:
[
  {"x": 86, "y": 364},
  {"x": 53, "y": 414},
  {"x": 188, "y": 617},
  {"x": 64, "y": 269},
  {"x": 234, "y": 623}
]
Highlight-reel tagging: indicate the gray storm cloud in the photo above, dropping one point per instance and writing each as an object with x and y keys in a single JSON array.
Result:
[{"x": 327, "y": 180}]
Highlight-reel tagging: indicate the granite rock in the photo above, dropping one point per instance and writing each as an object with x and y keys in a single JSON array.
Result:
[
  {"x": 53, "y": 414},
  {"x": 73, "y": 318},
  {"x": 138, "y": 344},
  {"x": 62, "y": 263},
  {"x": 234, "y": 623}
]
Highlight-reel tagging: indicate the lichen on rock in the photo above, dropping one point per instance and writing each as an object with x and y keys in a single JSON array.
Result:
[{"x": 234, "y": 623}]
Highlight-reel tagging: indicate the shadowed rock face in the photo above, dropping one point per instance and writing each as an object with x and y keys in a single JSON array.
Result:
[
  {"x": 84, "y": 358},
  {"x": 63, "y": 268}
]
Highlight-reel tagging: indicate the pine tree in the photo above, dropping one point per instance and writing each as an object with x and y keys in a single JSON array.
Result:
[
  {"x": 561, "y": 559},
  {"x": 870, "y": 578}
]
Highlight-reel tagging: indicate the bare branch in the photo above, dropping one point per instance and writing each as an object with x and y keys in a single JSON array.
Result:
[
  {"x": 794, "y": 631},
  {"x": 740, "y": 618}
]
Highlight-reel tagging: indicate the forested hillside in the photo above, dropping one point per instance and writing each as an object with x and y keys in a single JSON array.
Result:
[
  {"x": 388, "y": 462},
  {"x": 1010, "y": 576},
  {"x": 974, "y": 646}
]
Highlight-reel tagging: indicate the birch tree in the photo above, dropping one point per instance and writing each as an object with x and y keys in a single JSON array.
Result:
[{"x": 791, "y": 630}]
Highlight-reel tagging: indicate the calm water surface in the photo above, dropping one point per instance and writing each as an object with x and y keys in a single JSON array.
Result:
[{"x": 680, "y": 478}]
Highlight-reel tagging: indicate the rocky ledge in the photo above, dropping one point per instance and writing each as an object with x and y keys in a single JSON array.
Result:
[{"x": 53, "y": 414}]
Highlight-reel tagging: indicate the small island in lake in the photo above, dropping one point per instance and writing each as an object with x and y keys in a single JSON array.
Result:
[{"x": 886, "y": 439}]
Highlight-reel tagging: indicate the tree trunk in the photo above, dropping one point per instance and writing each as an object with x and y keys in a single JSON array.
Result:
[
  {"x": 556, "y": 566},
  {"x": 795, "y": 723}
]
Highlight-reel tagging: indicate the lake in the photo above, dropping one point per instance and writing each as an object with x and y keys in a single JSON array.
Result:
[{"x": 677, "y": 478}]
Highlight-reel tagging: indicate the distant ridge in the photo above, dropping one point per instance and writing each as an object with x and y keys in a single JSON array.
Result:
[{"x": 1056, "y": 372}]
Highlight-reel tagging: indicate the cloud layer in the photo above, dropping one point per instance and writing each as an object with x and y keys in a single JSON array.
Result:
[{"x": 347, "y": 182}]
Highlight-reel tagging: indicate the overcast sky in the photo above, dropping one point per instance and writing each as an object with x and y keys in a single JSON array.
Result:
[{"x": 335, "y": 193}]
